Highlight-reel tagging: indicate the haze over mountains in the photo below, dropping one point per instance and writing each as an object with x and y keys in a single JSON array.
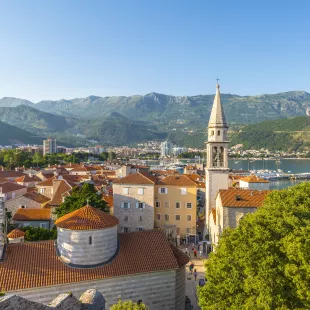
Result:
[{"x": 126, "y": 120}]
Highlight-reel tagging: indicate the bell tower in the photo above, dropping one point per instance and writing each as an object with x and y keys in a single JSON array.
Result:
[{"x": 217, "y": 154}]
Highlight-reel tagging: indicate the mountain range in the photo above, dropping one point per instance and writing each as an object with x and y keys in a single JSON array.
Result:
[{"x": 123, "y": 120}]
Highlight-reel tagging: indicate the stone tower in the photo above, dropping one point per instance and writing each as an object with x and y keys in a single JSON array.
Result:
[{"x": 217, "y": 154}]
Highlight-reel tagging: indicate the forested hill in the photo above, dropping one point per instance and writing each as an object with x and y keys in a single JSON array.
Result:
[
  {"x": 177, "y": 111},
  {"x": 12, "y": 135},
  {"x": 286, "y": 134}
]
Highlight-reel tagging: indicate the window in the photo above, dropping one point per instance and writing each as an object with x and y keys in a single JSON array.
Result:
[
  {"x": 125, "y": 205},
  {"x": 126, "y": 190},
  {"x": 167, "y": 204},
  {"x": 140, "y": 218},
  {"x": 43, "y": 225},
  {"x": 140, "y": 205},
  {"x": 23, "y": 207},
  {"x": 163, "y": 190},
  {"x": 90, "y": 241},
  {"x": 212, "y": 132},
  {"x": 141, "y": 191},
  {"x": 188, "y": 205},
  {"x": 126, "y": 218},
  {"x": 166, "y": 217},
  {"x": 139, "y": 228},
  {"x": 126, "y": 229},
  {"x": 177, "y": 217},
  {"x": 189, "y": 217},
  {"x": 183, "y": 191},
  {"x": 188, "y": 230},
  {"x": 177, "y": 205},
  {"x": 178, "y": 230},
  {"x": 157, "y": 217},
  {"x": 42, "y": 190},
  {"x": 218, "y": 132}
]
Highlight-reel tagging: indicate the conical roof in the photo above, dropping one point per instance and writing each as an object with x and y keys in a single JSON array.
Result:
[
  {"x": 16, "y": 233},
  {"x": 217, "y": 117},
  {"x": 86, "y": 218}
]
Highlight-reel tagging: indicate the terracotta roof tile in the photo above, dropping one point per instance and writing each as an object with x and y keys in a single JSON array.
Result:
[
  {"x": 108, "y": 199},
  {"x": 10, "y": 174},
  {"x": 48, "y": 182},
  {"x": 87, "y": 218},
  {"x": 180, "y": 256},
  {"x": 25, "y": 214},
  {"x": 27, "y": 178},
  {"x": 60, "y": 187},
  {"x": 178, "y": 180},
  {"x": 139, "y": 252},
  {"x": 16, "y": 233},
  {"x": 137, "y": 178},
  {"x": 253, "y": 179},
  {"x": 242, "y": 198},
  {"x": 10, "y": 187},
  {"x": 37, "y": 197}
]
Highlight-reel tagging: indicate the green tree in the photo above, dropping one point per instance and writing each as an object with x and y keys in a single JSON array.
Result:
[
  {"x": 38, "y": 159},
  {"x": 129, "y": 305},
  {"x": 38, "y": 233},
  {"x": 264, "y": 262},
  {"x": 112, "y": 155},
  {"x": 79, "y": 198}
]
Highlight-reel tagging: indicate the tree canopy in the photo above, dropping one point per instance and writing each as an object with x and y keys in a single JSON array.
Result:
[
  {"x": 129, "y": 305},
  {"x": 264, "y": 262},
  {"x": 79, "y": 197}
]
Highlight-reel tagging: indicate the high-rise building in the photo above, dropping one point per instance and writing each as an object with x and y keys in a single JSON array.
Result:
[
  {"x": 217, "y": 171},
  {"x": 165, "y": 149},
  {"x": 49, "y": 146}
]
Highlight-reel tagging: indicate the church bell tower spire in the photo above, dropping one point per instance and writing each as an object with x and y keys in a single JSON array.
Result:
[{"x": 217, "y": 154}]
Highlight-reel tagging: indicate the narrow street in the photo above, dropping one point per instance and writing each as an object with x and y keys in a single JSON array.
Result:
[{"x": 191, "y": 284}]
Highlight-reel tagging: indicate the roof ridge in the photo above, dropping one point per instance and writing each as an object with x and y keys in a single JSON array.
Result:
[{"x": 146, "y": 177}]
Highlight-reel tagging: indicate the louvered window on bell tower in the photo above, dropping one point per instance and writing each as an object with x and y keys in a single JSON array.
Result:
[
  {"x": 221, "y": 156},
  {"x": 214, "y": 156}
]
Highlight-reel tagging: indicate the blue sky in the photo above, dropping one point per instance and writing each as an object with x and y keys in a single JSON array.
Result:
[{"x": 67, "y": 49}]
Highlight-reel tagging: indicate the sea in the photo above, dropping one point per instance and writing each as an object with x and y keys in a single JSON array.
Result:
[{"x": 286, "y": 165}]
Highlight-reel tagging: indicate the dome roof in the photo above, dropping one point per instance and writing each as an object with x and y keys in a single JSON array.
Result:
[
  {"x": 93, "y": 299},
  {"x": 16, "y": 233},
  {"x": 87, "y": 218}
]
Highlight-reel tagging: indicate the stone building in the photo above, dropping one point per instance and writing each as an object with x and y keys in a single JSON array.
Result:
[
  {"x": 33, "y": 217},
  {"x": 28, "y": 180},
  {"x": 231, "y": 206},
  {"x": 133, "y": 201},
  {"x": 132, "y": 266},
  {"x": 253, "y": 182},
  {"x": 10, "y": 190},
  {"x": 31, "y": 200}
]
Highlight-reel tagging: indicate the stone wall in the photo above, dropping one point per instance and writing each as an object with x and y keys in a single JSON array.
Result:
[
  {"x": 160, "y": 290},
  {"x": 74, "y": 245},
  {"x": 14, "y": 204},
  {"x": 35, "y": 224},
  {"x": 232, "y": 215},
  {"x": 134, "y": 218}
]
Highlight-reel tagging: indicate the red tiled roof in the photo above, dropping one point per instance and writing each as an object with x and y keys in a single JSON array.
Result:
[
  {"x": 60, "y": 187},
  {"x": 87, "y": 218},
  {"x": 108, "y": 199},
  {"x": 28, "y": 178},
  {"x": 10, "y": 174},
  {"x": 10, "y": 187},
  {"x": 242, "y": 198},
  {"x": 178, "y": 180},
  {"x": 180, "y": 256},
  {"x": 25, "y": 214},
  {"x": 253, "y": 179},
  {"x": 35, "y": 264},
  {"x": 37, "y": 197},
  {"x": 137, "y": 178},
  {"x": 16, "y": 233}
]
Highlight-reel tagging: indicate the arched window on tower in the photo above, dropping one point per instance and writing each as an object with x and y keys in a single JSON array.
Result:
[
  {"x": 212, "y": 133},
  {"x": 218, "y": 132},
  {"x": 221, "y": 156},
  {"x": 214, "y": 157}
]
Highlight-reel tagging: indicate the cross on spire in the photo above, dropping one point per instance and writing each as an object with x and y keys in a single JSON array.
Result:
[{"x": 217, "y": 80}]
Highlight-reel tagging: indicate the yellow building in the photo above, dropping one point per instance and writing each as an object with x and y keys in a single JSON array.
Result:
[{"x": 176, "y": 205}]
